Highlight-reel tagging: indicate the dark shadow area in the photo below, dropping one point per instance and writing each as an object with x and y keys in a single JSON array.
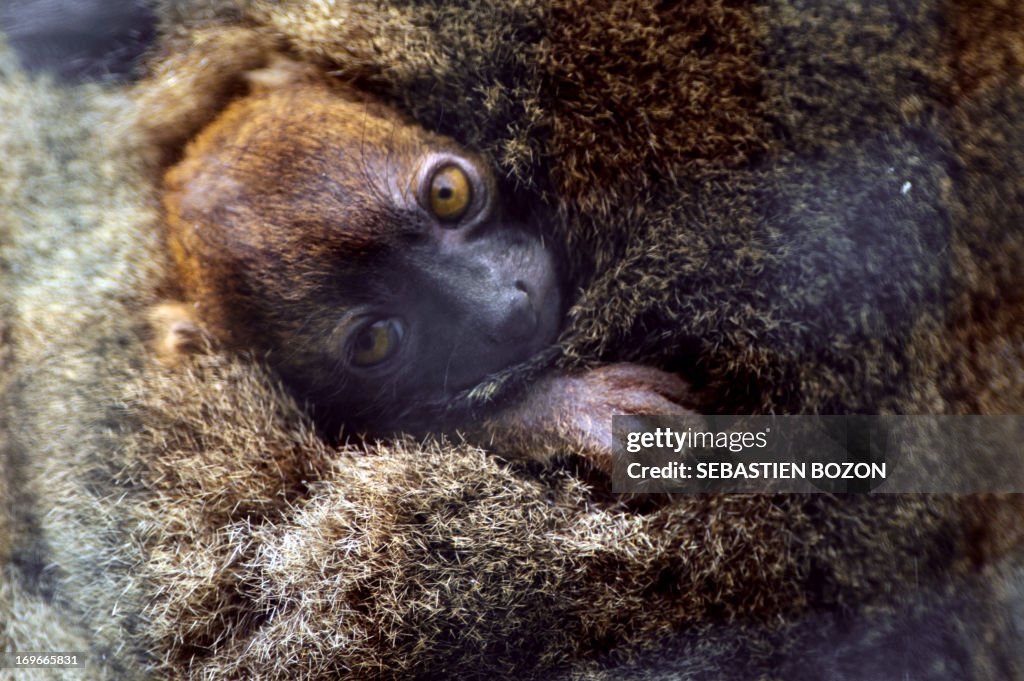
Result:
[{"x": 79, "y": 40}]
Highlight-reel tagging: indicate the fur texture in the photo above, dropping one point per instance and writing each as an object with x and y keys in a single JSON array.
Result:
[{"x": 799, "y": 206}]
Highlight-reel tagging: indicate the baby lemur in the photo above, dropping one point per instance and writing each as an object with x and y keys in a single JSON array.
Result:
[{"x": 373, "y": 264}]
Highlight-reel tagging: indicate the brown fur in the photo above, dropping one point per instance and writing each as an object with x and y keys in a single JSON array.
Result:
[
  {"x": 264, "y": 145},
  {"x": 283, "y": 132},
  {"x": 189, "y": 520}
]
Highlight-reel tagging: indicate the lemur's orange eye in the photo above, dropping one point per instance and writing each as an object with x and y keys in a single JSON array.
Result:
[
  {"x": 376, "y": 342},
  {"x": 450, "y": 193}
]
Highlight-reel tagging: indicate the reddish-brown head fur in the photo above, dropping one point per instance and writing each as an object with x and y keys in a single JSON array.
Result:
[
  {"x": 270, "y": 186},
  {"x": 303, "y": 228}
]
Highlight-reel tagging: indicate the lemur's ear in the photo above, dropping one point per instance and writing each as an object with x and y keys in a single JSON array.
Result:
[{"x": 281, "y": 71}]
